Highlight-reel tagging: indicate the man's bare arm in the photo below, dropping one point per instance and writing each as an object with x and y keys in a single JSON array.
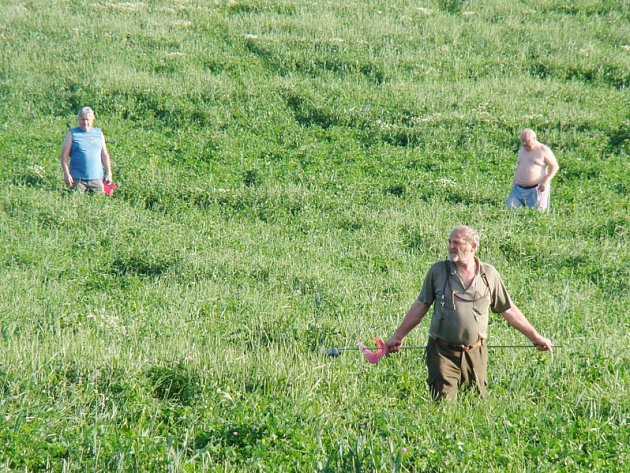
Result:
[
  {"x": 552, "y": 168},
  {"x": 106, "y": 162},
  {"x": 414, "y": 316},
  {"x": 516, "y": 319},
  {"x": 64, "y": 159}
]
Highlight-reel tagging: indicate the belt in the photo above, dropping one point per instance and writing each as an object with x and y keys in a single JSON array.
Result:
[
  {"x": 527, "y": 187},
  {"x": 444, "y": 343}
]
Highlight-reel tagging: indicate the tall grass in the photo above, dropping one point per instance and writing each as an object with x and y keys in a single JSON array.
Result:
[{"x": 287, "y": 173}]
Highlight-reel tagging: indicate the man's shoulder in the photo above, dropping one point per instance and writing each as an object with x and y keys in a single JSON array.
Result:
[
  {"x": 438, "y": 272},
  {"x": 490, "y": 271},
  {"x": 544, "y": 148},
  {"x": 548, "y": 154},
  {"x": 439, "y": 266},
  {"x": 488, "y": 268}
]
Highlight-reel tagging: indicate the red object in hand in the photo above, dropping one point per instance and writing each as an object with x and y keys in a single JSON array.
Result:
[
  {"x": 373, "y": 357},
  {"x": 109, "y": 188}
]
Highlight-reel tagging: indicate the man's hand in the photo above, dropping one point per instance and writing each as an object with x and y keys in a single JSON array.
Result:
[
  {"x": 393, "y": 345},
  {"x": 413, "y": 317},
  {"x": 542, "y": 343},
  {"x": 67, "y": 178},
  {"x": 542, "y": 186}
]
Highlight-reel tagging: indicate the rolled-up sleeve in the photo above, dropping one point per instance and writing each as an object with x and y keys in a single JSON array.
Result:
[
  {"x": 501, "y": 300},
  {"x": 427, "y": 293}
]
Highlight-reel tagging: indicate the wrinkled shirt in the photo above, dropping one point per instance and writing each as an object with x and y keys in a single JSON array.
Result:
[{"x": 460, "y": 316}]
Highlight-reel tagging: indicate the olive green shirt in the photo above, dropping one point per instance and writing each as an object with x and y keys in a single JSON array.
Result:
[{"x": 460, "y": 316}]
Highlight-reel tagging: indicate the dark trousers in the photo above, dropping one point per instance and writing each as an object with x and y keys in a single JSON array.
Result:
[{"x": 449, "y": 367}]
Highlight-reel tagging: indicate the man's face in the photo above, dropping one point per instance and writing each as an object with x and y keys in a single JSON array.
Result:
[
  {"x": 460, "y": 250},
  {"x": 86, "y": 122},
  {"x": 528, "y": 141}
]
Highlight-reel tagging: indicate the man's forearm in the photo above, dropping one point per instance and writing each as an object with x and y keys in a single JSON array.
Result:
[
  {"x": 550, "y": 176},
  {"x": 107, "y": 166},
  {"x": 413, "y": 317},
  {"x": 64, "y": 165},
  {"x": 552, "y": 169},
  {"x": 516, "y": 319}
]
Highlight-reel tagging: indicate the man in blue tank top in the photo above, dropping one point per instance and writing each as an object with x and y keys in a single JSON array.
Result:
[{"x": 89, "y": 163}]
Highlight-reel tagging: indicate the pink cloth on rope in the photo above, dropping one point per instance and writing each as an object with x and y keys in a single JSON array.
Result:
[
  {"x": 373, "y": 357},
  {"x": 109, "y": 188}
]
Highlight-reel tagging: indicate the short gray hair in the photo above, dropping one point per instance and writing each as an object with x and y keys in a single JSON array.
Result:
[
  {"x": 83, "y": 111},
  {"x": 468, "y": 233},
  {"x": 528, "y": 131}
]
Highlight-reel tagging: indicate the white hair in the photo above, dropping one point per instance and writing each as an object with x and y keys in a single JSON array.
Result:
[
  {"x": 85, "y": 111},
  {"x": 528, "y": 131},
  {"x": 467, "y": 233}
]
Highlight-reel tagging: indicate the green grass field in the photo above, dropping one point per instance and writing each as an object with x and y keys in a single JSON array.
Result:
[{"x": 288, "y": 170}]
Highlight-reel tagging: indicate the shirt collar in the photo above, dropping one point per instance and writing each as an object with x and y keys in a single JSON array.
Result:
[{"x": 453, "y": 269}]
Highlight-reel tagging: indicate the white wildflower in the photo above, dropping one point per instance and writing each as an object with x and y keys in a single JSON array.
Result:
[
  {"x": 36, "y": 169},
  {"x": 448, "y": 182},
  {"x": 127, "y": 6},
  {"x": 182, "y": 24}
]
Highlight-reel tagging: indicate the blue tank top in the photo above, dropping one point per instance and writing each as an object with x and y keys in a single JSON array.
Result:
[{"x": 85, "y": 154}]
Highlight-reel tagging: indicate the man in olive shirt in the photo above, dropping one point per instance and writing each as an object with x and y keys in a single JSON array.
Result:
[{"x": 463, "y": 290}]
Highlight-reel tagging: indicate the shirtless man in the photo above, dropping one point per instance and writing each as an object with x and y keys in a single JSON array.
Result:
[{"x": 532, "y": 180}]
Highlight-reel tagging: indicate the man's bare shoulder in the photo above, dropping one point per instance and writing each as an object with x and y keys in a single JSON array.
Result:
[{"x": 547, "y": 153}]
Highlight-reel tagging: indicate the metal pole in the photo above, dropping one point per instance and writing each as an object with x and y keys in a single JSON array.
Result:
[{"x": 338, "y": 351}]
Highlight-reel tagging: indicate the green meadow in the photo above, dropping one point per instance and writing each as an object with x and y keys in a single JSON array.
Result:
[{"x": 288, "y": 170}]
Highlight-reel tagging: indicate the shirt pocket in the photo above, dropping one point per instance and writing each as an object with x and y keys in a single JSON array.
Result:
[{"x": 481, "y": 306}]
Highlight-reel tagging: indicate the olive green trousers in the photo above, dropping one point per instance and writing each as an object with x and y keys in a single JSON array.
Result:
[{"x": 449, "y": 367}]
